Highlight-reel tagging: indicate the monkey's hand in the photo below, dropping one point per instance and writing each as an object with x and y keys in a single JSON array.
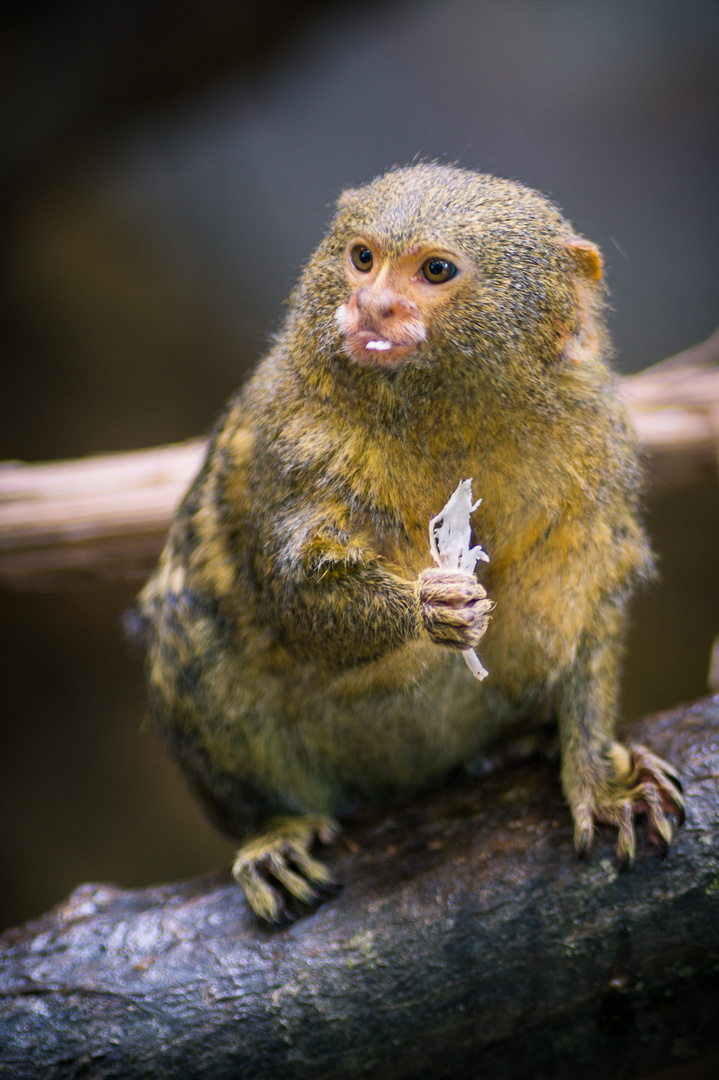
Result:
[
  {"x": 454, "y": 609},
  {"x": 275, "y": 866},
  {"x": 634, "y": 781}
]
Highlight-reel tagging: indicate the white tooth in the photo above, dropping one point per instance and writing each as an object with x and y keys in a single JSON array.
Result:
[{"x": 382, "y": 346}]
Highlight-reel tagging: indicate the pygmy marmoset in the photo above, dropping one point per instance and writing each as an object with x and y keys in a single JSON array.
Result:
[{"x": 304, "y": 661}]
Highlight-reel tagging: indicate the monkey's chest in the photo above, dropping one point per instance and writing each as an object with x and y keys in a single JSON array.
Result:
[{"x": 387, "y": 733}]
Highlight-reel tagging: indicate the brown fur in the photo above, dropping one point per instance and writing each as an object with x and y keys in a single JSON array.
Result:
[{"x": 293, "y": 660}]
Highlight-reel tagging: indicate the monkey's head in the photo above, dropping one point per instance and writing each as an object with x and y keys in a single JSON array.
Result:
[{"x": 432, "y": 265}]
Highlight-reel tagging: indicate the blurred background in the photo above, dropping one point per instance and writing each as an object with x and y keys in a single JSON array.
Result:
[{"x": 165, "y": 168}]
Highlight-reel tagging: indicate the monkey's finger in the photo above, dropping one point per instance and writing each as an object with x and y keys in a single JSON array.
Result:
[
  {"x": 583, "y": 831},
  {"x": 311, "y": 868},
  {"x": 677, "y": 807},
  {"x": 672, "y": 801},
  {"x": 325, "y": 828},
  {"x": 673, "y": 777},
  {"x": 452, "y": 616},
  {"x": 651, "y": 769},
  {"x": 458, "y": 613},
  {"x": 436, "y": 576},
  {"x": 262, "y": 898},
  {"x": 293, "y": 882},
  {"x": 449, "y": 588},
  {"x": 647, "y": 798},
  {"x": 483, "y": 607},
  {"x": 626, "y": 841},
  {"x": 460, "y": 629},
  {"x": 645, "y": 762}
]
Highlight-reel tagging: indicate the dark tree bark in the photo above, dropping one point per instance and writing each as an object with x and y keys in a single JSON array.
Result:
[{"x": 468, "y": 941}]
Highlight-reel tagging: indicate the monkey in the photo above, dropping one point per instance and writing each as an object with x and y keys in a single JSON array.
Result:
[{"x": 304, "y": 660}]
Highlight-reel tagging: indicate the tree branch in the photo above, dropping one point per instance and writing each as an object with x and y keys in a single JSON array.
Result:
[
  {"x": 72, "y": 521},
  {"x": 104, "y": 516},
  {"x": 674, "y": 406},
  {"x": 468, "y": 940}
]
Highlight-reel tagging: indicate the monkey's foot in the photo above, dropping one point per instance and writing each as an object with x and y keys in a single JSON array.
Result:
[
  {"x": 276, "y": 865},
  {"x": 640, "y": 783}
]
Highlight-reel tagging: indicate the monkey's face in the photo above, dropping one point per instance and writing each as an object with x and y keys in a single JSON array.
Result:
[
  {"x": 435, "y": 276},
  {"x": 395, "y": 295}
]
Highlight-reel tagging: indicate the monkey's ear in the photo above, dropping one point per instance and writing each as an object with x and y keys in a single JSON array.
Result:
[
  {"x": 585, "y": 256},
  {"x": 347, "y": 196}
]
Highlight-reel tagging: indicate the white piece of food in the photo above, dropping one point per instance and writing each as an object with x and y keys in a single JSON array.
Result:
[{"x": 450, "y": 540}]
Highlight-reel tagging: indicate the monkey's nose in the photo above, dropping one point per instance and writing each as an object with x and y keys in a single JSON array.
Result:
[{"x": 386, "y": 303}]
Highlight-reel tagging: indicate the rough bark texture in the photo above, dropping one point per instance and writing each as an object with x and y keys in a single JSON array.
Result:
[{"x": 468, "y": 941}]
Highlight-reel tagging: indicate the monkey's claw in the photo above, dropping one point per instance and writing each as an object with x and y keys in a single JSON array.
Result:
[
  {"x": 274, "y": 866},
  {"x": 642, "y": 783}
]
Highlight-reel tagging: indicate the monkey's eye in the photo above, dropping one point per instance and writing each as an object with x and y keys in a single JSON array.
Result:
[
  {"x": 362, "y": 258},
  {"x": 438, "y": 270}
]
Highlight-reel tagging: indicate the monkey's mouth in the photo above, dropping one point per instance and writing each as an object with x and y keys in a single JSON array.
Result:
[
  {"x": 402, "y": 332},
  {"x": 370, "y": 349}
]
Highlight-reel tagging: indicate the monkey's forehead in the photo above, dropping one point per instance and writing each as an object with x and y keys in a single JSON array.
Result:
[{"x": 429, "y": 202}]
